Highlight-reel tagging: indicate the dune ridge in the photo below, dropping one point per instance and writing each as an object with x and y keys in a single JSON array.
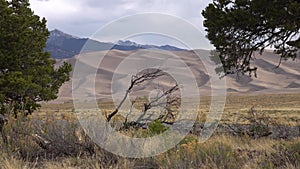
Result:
[{"x": 284, "y": 79}]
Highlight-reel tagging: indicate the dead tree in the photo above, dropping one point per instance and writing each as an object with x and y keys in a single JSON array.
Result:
[
  {"x": 136, "y": 80},
  {"x": 170, "y": 104},
  {"x": 165, "y": 100}
]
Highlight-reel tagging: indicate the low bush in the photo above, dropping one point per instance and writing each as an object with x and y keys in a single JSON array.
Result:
[
  {"x": 156, "y": 127},
  {"x": 51, "y": 137},
  {"x": 257, "y": 125}
]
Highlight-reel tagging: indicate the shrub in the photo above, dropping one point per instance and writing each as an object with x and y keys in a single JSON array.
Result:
[
  {"x": 156, "y": 127},
  {"x": 48, "y": 138},
  {"x": 259, "y": 125}
]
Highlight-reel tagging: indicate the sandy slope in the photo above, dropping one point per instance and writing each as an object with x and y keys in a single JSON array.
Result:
[{"x": 113, "y": 74}]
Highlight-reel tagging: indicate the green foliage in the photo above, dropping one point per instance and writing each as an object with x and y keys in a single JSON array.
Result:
[
  {"x": 156, "y": 127},
  {"x": 215, "y": 57},
  {"x": 238, "y": 28},
  {"x": 27, "y": 73}
]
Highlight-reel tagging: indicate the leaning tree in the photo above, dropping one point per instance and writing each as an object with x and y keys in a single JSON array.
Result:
[
  {"x": 168, "y": 100},
  {"x": 27, "y": 73},
  {"x": 238, "y": 28}
]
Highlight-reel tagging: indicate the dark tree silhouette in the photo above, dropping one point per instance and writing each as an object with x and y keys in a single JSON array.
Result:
[{"x": 238, "y": 28}]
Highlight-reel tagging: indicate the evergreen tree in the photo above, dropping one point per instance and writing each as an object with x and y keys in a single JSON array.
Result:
[
  {"x": 27, "y": 73},
  {"x": 238, "y": 28}
]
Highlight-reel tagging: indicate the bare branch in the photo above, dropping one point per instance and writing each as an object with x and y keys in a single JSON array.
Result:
[
  {"x": 167, "y": 105},
  {"x": 147, "y": 75}
]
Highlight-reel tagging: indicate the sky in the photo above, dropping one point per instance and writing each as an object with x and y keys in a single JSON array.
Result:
[{"x": 82, "y": 18}]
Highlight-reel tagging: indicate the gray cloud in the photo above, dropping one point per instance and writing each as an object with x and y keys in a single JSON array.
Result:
[{"x": 84, "y": 17}]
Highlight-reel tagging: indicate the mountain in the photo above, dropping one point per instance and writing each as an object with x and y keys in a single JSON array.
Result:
[
  {"x": 134, "y": 46},
  {"x": 62, "y": 45}
]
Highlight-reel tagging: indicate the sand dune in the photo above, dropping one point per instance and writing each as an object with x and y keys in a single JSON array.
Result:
[{"x": 113, "y": 74}]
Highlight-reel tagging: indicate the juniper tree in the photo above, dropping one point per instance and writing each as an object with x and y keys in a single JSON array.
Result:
[
  {"x": 27, "y": 73},
  {"x": 238, "y": 28}
]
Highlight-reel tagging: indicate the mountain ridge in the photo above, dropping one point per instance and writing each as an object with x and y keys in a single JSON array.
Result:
[{"x": 62, "y": 45}]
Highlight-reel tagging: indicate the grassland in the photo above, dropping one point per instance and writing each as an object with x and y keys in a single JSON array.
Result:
[{"x": 70, "y": 147}]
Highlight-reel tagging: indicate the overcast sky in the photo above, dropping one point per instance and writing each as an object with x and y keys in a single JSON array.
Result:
[{"x": 83, "y": 18}]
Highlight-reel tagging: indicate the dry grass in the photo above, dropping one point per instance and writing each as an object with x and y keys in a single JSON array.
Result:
[
  {"x": 71, "y": 148},
  {"x": 219, "y": 152}
]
